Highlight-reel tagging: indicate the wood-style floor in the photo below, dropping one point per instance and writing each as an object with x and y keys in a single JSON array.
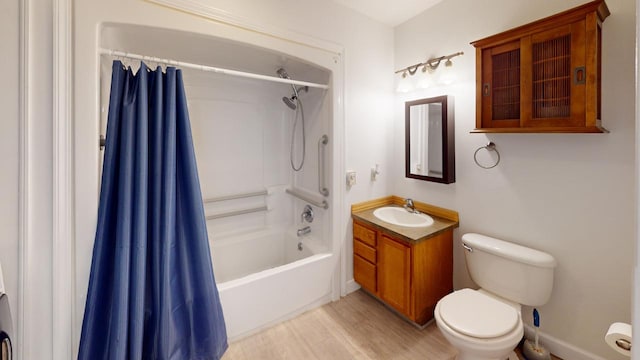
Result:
[{"x": 355, "y": 327}]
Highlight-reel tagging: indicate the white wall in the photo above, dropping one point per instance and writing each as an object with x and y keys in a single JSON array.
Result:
[
  {"x": 32, "y": 137},
  {"x": 30, "y": 253},
  {"x": 9, "y": 128},
  {"x": 570, "y": 195}
]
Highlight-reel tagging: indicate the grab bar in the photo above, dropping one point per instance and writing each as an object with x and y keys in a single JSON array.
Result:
[
  {"x": 236, "y": 196},
  {"x": 324, "y": 139},
  {"x": 302, "y": 196},
  {"x": 237, "y": 212}
]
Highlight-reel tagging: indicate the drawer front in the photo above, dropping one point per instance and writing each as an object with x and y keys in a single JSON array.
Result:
[
  {"x": 363, "y": 234},
  {"x": 364, "y": 273},
  {"x": 364, "y": 250}
]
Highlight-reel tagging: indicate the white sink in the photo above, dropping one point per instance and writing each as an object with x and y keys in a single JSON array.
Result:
[{"x": 400, "y": 216}]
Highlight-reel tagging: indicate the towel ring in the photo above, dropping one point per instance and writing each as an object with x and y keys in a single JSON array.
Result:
[{"x": 489, "y": 147}]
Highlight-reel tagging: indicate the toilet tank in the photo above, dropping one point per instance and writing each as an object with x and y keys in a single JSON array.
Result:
[{"x": 512, "y": 271}]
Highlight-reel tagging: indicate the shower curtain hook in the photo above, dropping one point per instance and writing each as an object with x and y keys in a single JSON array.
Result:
[{"x": 120, "y": 58}]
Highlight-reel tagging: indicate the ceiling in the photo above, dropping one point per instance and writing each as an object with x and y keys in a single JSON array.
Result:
[{"x": 389, "y": 12}]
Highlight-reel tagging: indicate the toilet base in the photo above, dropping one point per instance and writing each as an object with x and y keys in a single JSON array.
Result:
[{"x": 467, "y": 356}]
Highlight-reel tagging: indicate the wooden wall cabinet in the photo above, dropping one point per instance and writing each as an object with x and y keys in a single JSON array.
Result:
[
  {"x": 410, "y": 277},
  {"x": 544, "y": 76}
]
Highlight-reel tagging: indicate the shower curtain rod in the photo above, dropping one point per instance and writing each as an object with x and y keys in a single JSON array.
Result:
[{"x": 206, "y": 68}]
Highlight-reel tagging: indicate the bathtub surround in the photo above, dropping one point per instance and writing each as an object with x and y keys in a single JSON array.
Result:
[{"x": 152, "y": 292}]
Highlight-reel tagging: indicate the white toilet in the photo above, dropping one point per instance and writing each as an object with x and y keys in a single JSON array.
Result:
[{"x": 485, "y": 324}]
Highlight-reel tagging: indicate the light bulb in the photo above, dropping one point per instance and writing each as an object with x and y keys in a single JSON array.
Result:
[
  {"x": 425, "y": 81},
  {"x": 404, "y": 84},
  {"x": 448, "y": 76}
]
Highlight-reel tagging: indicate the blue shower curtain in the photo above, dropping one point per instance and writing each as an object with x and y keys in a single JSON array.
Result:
[{"x": 152, "y": 292}]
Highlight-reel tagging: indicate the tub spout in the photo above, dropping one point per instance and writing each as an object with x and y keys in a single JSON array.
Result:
[{"x": 304, "y": 231}]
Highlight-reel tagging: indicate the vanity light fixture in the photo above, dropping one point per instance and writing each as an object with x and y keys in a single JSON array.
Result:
[
  {"x": 428, "y": 67},
  {"x": 448, "y": 76}
]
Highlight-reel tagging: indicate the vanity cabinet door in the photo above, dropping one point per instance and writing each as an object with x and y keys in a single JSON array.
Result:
[{"x": 394, "y": 273}]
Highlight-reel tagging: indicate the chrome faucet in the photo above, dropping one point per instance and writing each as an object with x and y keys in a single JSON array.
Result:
[
  {"x": 408, "y": 205},
  {"x": 307, "y": 214},
  {"x": 304, "y": 231}
]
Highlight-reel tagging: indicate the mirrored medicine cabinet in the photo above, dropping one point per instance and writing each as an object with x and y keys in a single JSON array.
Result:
[{"x": 429, "y": 139}]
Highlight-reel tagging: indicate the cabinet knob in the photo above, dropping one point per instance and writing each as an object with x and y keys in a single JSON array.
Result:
[
  {"x": 486, "y": 89},
  {"x": 579, "y": 75}
]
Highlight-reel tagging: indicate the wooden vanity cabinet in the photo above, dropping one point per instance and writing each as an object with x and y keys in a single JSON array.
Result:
[
  {"x": 543, "y": 76},
  {"x": 410, "y": 277}
]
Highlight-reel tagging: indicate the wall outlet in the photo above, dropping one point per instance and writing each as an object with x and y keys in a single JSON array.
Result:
[{"x": 351, "y": 178}]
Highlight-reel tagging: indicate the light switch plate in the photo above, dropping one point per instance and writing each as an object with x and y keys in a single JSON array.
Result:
[{"x": 351, "y": 178}]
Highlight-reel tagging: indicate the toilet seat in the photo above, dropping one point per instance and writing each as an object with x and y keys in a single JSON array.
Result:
[{"x": 475, "y": 314}]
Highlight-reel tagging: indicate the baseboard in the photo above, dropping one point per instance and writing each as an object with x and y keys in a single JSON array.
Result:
[
  {"x": 560, "y": 348},
  {"x": 352, "y": 286}
]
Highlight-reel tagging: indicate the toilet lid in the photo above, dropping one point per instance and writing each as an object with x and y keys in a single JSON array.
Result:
[{"x": 473, "y": 313}]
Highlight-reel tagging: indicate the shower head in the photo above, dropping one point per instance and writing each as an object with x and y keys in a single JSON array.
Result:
[
  {"x": 290, "y": 102},
  {"x": 283, "y": 74},
  {"x": 293, "y": 100}
]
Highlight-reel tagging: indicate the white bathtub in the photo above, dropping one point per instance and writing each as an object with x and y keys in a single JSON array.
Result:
[{"x": 263, "y": 278}]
